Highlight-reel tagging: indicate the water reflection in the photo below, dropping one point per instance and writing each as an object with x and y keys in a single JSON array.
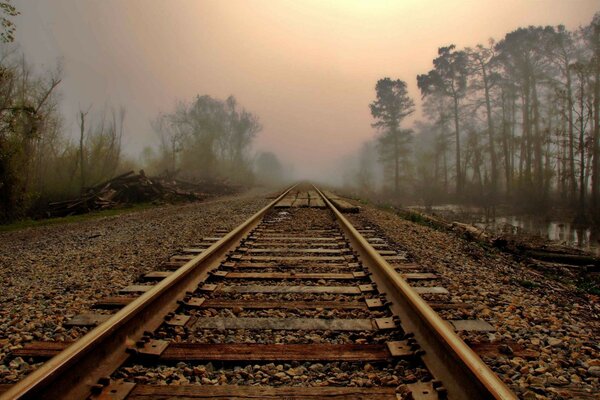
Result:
[
  {"x": 559, "y": 231},
  {"x": 563, "y": 232}
]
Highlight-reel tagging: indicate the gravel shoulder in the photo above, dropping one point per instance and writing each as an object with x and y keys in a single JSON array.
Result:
[
  {"x": 524, "y": 306},
  {"x": 51, "y": 273}
]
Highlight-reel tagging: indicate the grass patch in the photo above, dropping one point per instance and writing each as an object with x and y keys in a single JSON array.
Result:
[
  {"x": 416, "y": 218},
  {"x": 528, "y": 284},
  {"x": 34, "y": 223},
  {"x": 589, "y": 286},
  {"x": 422, "y": 219}
]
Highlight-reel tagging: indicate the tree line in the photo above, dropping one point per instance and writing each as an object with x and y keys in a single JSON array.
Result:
[
  {"x": 204, "y": 140},
  {"x": 209, "y": 139},
  {"x": 38, "y": 161},
  {"x": 515, "y": 121}
]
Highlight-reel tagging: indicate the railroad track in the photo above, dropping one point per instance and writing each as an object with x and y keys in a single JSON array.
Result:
[{"x": 295, "y": 303}]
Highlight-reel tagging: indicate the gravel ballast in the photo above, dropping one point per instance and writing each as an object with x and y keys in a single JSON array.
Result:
[
  {"x": 50, "y": 274},
  {"x": 523, "y": 305}
]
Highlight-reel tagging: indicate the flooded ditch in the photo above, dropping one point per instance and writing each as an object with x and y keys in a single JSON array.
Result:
[{"x": 557, "y": 229}]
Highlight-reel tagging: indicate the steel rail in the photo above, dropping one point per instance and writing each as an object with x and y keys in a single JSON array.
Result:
[
  {"x": 449, "y": 359},
  {"x": 75, "y": 371}
]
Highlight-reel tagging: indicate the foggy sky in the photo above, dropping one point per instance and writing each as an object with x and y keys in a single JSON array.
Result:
[{"x": 307, "y": 68}]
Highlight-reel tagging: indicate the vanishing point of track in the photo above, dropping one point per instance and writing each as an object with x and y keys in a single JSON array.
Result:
[{"x": 296, "y": 265}]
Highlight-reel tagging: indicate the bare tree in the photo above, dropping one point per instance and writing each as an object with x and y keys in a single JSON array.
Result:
[
  {"x": 208, "y": 139},
  {"x": 82, "y": 116}
]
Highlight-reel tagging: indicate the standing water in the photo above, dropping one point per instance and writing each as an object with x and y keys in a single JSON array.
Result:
[{"x": 561, "y": 231}]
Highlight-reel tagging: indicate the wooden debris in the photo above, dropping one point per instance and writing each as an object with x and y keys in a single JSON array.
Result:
[{"x": 131, "y": 188}]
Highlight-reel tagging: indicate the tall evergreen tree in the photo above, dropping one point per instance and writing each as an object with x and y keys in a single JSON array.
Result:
[
  {"x": 391, "y": 106},
  {"x": 449, "y": 78}
]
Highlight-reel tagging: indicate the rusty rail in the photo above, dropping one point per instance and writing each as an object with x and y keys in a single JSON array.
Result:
[
  {"x": 449, "y": 359},
  {"x": 74, "y": 373}
]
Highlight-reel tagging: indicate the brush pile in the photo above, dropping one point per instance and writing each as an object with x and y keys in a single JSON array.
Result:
[{"x": 131, "y": 188}]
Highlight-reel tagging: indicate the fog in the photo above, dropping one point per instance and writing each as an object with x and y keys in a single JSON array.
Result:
[{"x": 307, "y": 69}]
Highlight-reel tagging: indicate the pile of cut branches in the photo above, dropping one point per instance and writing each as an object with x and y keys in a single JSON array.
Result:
[{"x": 128, "y": 188}]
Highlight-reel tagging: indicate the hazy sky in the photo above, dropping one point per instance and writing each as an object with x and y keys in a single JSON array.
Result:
[{"x": 307, "y": 68}]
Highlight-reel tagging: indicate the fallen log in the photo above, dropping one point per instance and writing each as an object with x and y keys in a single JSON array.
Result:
[
  {"x": 469, "y": 230},
  {"x": 562, "y": 258},
  {"x": 548, "y": 252}
]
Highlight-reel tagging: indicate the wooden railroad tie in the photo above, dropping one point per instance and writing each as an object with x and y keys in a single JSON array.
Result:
[
  {"x": 244, "y": 352},
  {"x": 200, "y": 302}
]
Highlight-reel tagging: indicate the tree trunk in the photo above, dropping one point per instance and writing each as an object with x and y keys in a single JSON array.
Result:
[
  {"x": 563, "y": 140},
  {"x": 572, "y": 179},
  {"x": 173, "y": 156},
  {"x": 596, "y": 126},
  {"x": 445, "y": 171},
  {"x": 547, "y": 162},
  {"x": 444, "y": 146},
  {"x": 538, "y": 174},
  {"x": 527, "y": 134},
  {"x": 81, "y": 149},
  {"x": 490, "y": 123},
  {"x": 457, "y": 138},
  {"x": 506, "y": 145},
  {"x": 581, "y": 210},
  {"x": 396, "y": 163},
  {"x": 511, "y": 140}
]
